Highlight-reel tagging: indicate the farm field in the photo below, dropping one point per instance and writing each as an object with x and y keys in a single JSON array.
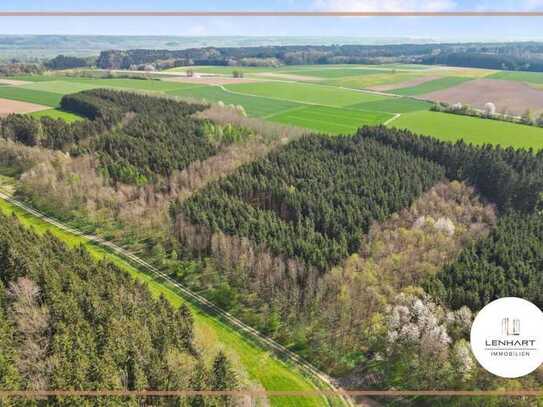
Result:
[
  {"x": 254, "y": 106},
  {"x": 451, "y": 127},
  {"x": 430, "y": 86},
  {"x": 393, "y": 105},
  {"x": 330, "y": 119},
  {"x": 8, "y": 106},
  {"x": 29, "y": 95},
  {"x": 530, "y": 77},
  {"x": 316, "y": 106},
  {"x": 305, "y": 93}
]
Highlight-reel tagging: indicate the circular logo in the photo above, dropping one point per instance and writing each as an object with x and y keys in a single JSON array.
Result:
[{"x": 507, "y": 337}]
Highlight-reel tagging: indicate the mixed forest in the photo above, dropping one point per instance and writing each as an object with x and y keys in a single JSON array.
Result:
[{"x": 366, "y": 254}]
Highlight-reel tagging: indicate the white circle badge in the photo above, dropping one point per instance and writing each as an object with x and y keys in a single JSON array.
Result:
[{"x": 507, "y": 337}]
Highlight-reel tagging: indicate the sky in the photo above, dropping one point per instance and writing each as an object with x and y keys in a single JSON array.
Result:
[{"x": 439, "y": 28}]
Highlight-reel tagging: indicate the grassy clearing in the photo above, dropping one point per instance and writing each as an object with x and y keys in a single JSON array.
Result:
[
  {"x": 57, "y": 114},
  {"x": 29, "y": 95},
  {"x": 330, "y": 119},
  {"x": 531, "y": 77},
  {"x": 430, "y": 86},
  {"x": 394, "y": 105},
  {"x": 260, "y": 365},
  {"x": 254, "y": 106},
  {"x": 304, "y": 93},
  {"x": 451, "y": 127}
]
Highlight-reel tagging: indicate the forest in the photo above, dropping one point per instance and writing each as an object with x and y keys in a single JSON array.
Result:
[
  {"x": 310, "y": 201},
  {"x": 368, "y": 255},
  {"x": 525, "y": 56},
  {"x": 136, "y": 137},
  {"x": 68, "y": 322}
]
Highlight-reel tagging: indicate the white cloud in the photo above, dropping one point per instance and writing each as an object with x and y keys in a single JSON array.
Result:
[{"x": 386, "y": 5}]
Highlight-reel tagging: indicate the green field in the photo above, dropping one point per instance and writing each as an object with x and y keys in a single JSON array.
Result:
[
  {"x": 394, "y": 105},
  {"x": 330, "y": 119},
  {"x": 254, "y": 106},
  {"x": 57, "y": 114},
  {"x": 532, "y": 77},
  {"x": 338, "y": 72},
  {"x": 153, "y": 85},
  {"x": 452, "y": 127},
  {"x": 260, "y": 365},
  {"x": 305, "y": 93},
  {"x": 58, "y": 86},
  {"x": 430, "y": 86},
  {"x": 29, "y": 95}
]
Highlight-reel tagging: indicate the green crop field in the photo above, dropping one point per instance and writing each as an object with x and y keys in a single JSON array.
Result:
[
  {"x": 394, "y": 105},
  {"x": 330, "y": 119},
  {"x": 451, "y": 127},
  {"x": 254, "y": 105},
  {"x": 29, "y": 95},
  {"x": 365, "y": 81},
  {"x": 337, "y": 72},
  {"x": 260, "y": 365},
  {"x": 136, "y": 84},
  {"x": 305, "y": 93},
  {"x": 532, "y": 77},
  {"x": 56, "y": 114},
  {"x": 59, "y": 86},
  {"x": 430, "y": 86}
]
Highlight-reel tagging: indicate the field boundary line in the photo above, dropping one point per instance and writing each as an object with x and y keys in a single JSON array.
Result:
[
  {"x": 396, "y": 116},
  {"x": 269, "y": 343}
]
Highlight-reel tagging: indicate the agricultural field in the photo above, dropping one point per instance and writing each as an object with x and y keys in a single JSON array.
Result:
[
  {"x": 8, "y": 106},
  {"x": 332, "y": 102},
  {"x": 452, "y": 127},
  {"x": 29, "y": 95},
  {"x": 530, "y": 77},
  {"x": 330, "y": 119},
  {"x": 305, "y": 93},
  {"x": 430, "y": 86},
  {"x": 254, "y": 105}
]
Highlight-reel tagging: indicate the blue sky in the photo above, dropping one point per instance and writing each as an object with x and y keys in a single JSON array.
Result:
[{"x": 451, "y": 28}]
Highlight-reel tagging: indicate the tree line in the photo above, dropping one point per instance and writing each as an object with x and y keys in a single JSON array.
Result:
[{"x": 68, "y": 322}]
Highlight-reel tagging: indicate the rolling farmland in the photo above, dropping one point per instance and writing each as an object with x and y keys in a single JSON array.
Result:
[{"x": 332, "y": 104}]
